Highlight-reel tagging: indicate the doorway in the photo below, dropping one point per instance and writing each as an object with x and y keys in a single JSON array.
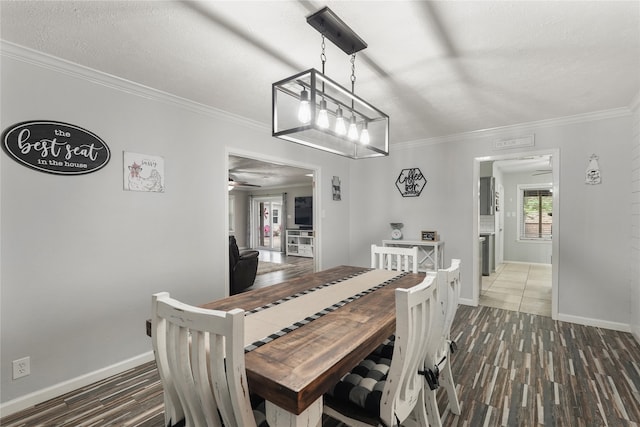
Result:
[
  {"x": 262, "y": 190},
  {"x": 266, "y": 223},
  {"x": 518, "y": 261}
]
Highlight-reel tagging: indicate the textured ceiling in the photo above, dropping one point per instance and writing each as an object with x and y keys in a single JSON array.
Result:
[
  {"x": 437, "y": 68},
  {"x": 265, "y": 174}
]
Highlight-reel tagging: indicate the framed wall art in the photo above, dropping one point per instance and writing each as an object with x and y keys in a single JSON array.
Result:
[
  {"x": 335, "y": 186},
  {"x": 429, "y": 236},
  {"x": 143, "y": 172}
]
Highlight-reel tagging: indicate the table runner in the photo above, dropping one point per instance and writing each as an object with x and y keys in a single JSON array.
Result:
[{"x": 265, "y": 325}]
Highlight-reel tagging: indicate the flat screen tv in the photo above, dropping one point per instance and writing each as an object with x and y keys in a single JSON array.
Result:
[{"x": 303, "y": 211}]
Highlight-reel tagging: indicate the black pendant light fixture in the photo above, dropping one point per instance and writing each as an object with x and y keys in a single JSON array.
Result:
[{"x": 311, "y": 109}]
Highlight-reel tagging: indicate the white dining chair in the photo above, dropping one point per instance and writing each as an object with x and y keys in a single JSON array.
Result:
[
  {"x": 437, "y": 366},
  {"x": 394, "y": 258},
  {"x": 439, "y": 359},
  {"x": 200, "y": 358},
  {"x": 387, "y": 392}
]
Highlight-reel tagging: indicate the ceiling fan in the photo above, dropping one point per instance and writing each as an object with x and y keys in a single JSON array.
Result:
[
  {"x": 544, "y": 171},
  {"x": 240, "y": 184}
]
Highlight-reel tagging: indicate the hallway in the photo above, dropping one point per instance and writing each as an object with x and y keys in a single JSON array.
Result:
[{"x": 519, "y": 287}]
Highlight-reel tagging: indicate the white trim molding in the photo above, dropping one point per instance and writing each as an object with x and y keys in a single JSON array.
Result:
[
  {"x": 598, "y": 323},
  {"x": 467, "y": 301},
  {"x": 21, "y": 53},
  {"x": 53, "y": 63},
  {"x": 517, "y": 129}
]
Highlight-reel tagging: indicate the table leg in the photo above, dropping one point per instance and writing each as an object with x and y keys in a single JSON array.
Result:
[{"x": 310, "y": 417}]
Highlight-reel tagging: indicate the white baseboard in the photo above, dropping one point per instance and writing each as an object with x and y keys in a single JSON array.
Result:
[
  {"x": 526, "y": 262},
  {"x": 635, "y": 330},
  {"x": 467, "y": 301},
  {"x": 598, "y": 323},
  {"x": 623, "y": 327},
  {"x": 59, "y": 389}
]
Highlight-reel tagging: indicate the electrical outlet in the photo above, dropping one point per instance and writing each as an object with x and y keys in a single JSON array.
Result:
[{"x": 21, "y": 367}]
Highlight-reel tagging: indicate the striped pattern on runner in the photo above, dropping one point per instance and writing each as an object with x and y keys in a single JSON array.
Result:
[
  {"x": 311, "y": 318},
  {"x": 305, "y": 292}
]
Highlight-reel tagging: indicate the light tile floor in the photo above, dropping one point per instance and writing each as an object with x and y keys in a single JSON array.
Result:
[{"x": 519, "y": 287}]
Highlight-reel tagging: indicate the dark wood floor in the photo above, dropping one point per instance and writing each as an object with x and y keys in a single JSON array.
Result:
[
  {"x": 511, "y": 369},
  {"x": 520, "y": 369},
  {"x": 302, "y": 265}
]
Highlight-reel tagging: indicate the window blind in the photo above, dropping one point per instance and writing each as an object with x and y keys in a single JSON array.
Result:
[{"x": 536, "y": 213}]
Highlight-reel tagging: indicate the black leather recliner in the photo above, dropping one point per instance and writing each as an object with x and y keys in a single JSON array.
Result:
[{"x": 242, "y": 267}]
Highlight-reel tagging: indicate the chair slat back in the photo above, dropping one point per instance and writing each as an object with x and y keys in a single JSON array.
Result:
[
  {"x": 449, "y": 285},
  {"x": 438, "y": 352},
  {"x": 415, "y": 308},
  {"x": 200, "y": 358},
  {"x": 394, "y": 258}
]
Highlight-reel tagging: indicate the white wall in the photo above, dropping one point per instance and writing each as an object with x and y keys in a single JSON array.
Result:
[
  {"x": 375, "y": 201},
  {"x": 594, "y": 220},
  {"x": 634, "y": 253},
  {"x": 514, "y": 250},
  {"x": 241, "y": 217},
  {"x": 81, "y": 257}
]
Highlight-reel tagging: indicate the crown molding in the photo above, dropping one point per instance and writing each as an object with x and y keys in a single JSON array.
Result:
[
  {"x": 521, "y": 128},
  {"x": 72, "y": 69},
  {"x": 53, "y": 63}
]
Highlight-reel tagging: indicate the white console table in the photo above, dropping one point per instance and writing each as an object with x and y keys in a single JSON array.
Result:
[{"x": 431, "y": 253}]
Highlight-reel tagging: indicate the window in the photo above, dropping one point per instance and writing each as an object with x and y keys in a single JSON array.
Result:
[{"x": 535, "y": 212}]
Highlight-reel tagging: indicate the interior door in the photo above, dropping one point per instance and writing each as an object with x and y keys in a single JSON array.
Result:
[{"x": 268, "y": 213}]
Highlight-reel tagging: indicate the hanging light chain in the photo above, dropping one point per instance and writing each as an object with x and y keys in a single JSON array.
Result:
[
  {"x": 323, "y": 57},
  {"x": 322, "y": 119},
  {"x": 353, "y": 72}
]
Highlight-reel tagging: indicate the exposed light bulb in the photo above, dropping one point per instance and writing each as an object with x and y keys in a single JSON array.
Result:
[
  {"x": 323, "y": 116},
  {"x": 304, "y": 110},
  {"x": 353, "y": 129},
  {"x": 341, "y": 128},
  {"x": 364, "y": 135}
]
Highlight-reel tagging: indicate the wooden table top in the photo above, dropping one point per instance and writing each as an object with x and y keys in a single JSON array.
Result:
[{"x": 295, "y": 370}]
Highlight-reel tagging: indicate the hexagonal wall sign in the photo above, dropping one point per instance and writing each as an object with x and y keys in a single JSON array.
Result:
[{"x": 410, "y": 182}]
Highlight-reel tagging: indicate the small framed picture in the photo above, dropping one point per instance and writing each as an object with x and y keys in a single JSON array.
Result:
[{"x": 430, "y": 236}]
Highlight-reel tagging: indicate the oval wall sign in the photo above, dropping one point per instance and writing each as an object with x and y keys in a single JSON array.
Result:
[{"x": 55, "y": 147}]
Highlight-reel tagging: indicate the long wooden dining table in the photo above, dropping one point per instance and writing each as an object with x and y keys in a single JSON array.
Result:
[{"x": 293, "y": 357}]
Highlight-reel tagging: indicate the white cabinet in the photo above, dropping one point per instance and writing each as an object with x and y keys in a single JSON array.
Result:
[{"x": 300, "y": 243}]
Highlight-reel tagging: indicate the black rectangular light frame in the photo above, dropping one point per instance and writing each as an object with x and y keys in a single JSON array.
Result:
[{"x": 333, "y": 28}]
